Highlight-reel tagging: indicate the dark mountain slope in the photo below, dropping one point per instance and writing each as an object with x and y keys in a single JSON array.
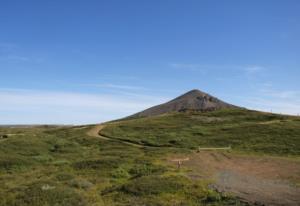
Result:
[{"x": 194, "y": 100}]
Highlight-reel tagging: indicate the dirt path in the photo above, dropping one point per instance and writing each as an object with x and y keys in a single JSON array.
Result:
[
  {"x": 256, "y": 180},
  {"x": 94, "y": 132}
]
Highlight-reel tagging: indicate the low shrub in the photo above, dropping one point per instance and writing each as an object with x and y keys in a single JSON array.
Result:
[
  {"x": 43, "y": 158},
  {"x": 12, "y": 164},
  {"x": 80, "y": 184},
  {"x": 64, "y": 176},
  {"x": 145, "y": 169},
  {"x": 120, "y": 173},
  {"x": 45, "y": 194},
  {"x": 104, "y": 164},
  {"x": 153, "y": 185}
]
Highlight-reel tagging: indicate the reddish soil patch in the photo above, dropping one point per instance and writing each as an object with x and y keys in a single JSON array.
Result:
[{"x": 255, "y": 179}]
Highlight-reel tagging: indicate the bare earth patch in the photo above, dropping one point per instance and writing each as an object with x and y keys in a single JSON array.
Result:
[{"x": 255, "y": 179}]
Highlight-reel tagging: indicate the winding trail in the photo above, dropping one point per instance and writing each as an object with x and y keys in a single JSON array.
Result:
[{"x": 94, "y": 132}]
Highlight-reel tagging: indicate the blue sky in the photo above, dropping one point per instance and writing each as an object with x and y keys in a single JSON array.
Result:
[{"x": 78, "y": 62}]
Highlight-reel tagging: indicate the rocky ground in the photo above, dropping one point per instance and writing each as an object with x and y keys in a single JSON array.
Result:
[{"x": 259, "y": 180}]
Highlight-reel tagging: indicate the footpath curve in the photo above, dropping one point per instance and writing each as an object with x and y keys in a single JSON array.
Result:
[{"x": 94, "y": 132}]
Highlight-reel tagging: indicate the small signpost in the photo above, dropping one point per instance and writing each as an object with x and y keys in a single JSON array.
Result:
[{"x": 180, "y": 161}]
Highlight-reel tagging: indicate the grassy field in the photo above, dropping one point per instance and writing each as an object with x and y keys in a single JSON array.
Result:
[
  {"x": 45, "y": 166},
  {"x": 243, "y": 130}
]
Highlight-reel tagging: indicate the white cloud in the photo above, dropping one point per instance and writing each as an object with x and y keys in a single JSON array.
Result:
[
  {"x": 7, "y": 47},
  {"x": 278, "y": 101},
  {"x": 254, "y": 69},
  {"x": 289, "y": 94},
  {"x": 116, "y": 86},
  {"x": 16, "y": 58},
  {"x": 185, "y": 66},
  {"x": 276, "y": 106},
  {"x": 11, "y": 53},
  {"x": 200, "y": 67},
  {"x": 29, "y": 106}
]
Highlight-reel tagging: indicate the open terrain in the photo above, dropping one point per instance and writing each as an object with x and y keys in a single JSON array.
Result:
[
  {"x": 201, "y": 152},
  {"x": 131, "y": 163},
  {"x": 250, "y": 154},
  {"x": 69, "y": 166}
]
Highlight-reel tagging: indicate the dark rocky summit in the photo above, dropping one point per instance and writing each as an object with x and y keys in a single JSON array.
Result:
[{"x": 194, "y": 100}]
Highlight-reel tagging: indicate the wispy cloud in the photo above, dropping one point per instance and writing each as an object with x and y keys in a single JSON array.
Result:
[
  {"x": 7, "y": 47},
  {"x": 16, "y": 58},
  {"x": 32, "y": 106},
  {"x": 277, "y": 106},
  {"x": 118, "y": 77},
  {"x": 201, "y": 67},
  {"x": 129, "y": 90},
  {"x": 116, "y": 86},
  {"x": 254, "y": 69},
  {"x": 186, "y": 66},
  {"x": 287, "y": 94},
  {"x": 278, "y": 101},
  {"x": 11, "y": 53}
]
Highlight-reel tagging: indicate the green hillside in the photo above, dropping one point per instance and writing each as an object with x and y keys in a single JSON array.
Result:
[
  {"x": 42, "y": 166},
  {"x": 63, "y": 166},
  {"x": 243, "y": 130}
]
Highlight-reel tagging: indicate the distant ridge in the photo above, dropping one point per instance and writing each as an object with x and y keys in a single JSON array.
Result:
[{"x": 195, "y": 100}]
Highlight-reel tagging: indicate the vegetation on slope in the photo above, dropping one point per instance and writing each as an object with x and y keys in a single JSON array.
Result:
[
  {"x": 243, "y": 130},
  {"x": 64, "y": 166}
]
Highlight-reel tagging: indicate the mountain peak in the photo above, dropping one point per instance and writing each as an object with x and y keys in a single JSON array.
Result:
[
  {"x": 195, "y": 100},
  {"x": 194, "y": 91}
]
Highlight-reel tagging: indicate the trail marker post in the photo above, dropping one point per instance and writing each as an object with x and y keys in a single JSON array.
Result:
[{"x": 180, "y": 161}]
